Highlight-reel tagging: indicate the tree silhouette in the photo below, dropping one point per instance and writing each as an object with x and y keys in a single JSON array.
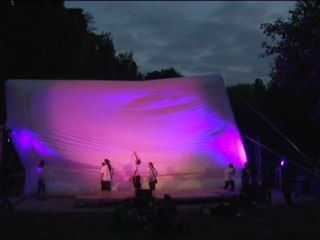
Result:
[
  {"x": 295, "y": 85},
  {"x": 163, "y": 73},
  {"x": 297, "y": 47},
  {"x": 45, "y": 40}
]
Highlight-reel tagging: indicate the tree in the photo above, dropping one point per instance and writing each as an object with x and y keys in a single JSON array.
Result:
[
  {"x": 163, "y": 73},
  {"x": 242, "y": 96},
  {"x": 127, "y": 68},
  {"x": 295, "y": 86},
  {"x": 297, "y": 49}
]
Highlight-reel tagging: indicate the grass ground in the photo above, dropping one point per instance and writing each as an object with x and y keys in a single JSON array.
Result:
[{"x": 266, "y": 221}]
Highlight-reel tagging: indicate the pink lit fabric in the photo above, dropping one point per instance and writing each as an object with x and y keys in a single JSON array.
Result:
[{"x": 185, "y": 126}]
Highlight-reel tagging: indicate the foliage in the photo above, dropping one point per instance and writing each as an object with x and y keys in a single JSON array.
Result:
[
  {"x": 297, "y": 48},
  {"x": 163, "y": 73},
  {"x": 127, "y": 65},
  {"x": 294, "y": 92},
  {"x": 278, "y": 121},
  {"x": 45, "y": 40}
]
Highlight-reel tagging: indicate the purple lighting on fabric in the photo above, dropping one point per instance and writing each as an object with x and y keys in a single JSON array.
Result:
[
  {"x": 184, "y": 126},
  {"x": 24, "y": 138},
  {"x": 27, "y": 140},
  {"x": 41, "y": 147}
]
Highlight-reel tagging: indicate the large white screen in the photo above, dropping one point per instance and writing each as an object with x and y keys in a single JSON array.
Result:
[{"x": 185, "y": 126}]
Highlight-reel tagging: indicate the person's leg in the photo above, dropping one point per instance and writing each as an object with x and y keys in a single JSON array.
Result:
[
  {"x": 134, "y": 182},
  {"x": 43, "y": 194},
  {"x": 226, "y": 185},
  {"x": 138, "y": 182},
  {"x": 152, "y": 185},
  {"x": 108, "y": 185},
  {"x": 232, "y": 185},
  {"x": 104, "y": 186},
  {"x": 39, "y": 188}
]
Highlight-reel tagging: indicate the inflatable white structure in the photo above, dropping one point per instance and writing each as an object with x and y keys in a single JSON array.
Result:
[{"x": 185, "y": 126}]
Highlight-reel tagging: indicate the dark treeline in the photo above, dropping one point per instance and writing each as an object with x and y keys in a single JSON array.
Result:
[
  {"x": 281, "y": 122},
  {"x": 285, "y": 114},
  {"x": 45, "y": 40}
]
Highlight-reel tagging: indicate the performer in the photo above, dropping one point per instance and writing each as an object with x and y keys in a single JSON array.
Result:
[
  {"x": 107, "y": 173},
  {"x": 288, "y": 181},
  {"x": 5, "y": 178},
  {"x": 153, "y": 173},
  {"x": 41, "y": 171},
  {"x": 136, "y": 180},
  {"x": 229, "y": 173},
  {"x": 246, "y": 181}
]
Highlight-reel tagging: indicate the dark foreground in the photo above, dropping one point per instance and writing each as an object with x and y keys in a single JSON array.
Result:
[{"x": 265, "y": 221}]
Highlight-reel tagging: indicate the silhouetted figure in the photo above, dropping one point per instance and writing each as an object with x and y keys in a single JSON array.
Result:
[
  {"x": 153, "y": 173},
  {"x": 166, "y": 215},
  {"x": 246, "y": 185},
  {"x": 136, "y": 179},
  {"x": 42, "y": 179},
  {"x": 246, "y": 192},
  {"x": 288, "y": 181},
  {"x": 229, "y": 173},
  {"x": 127, "y": 217},
  {"x": 5, "y": 175}
]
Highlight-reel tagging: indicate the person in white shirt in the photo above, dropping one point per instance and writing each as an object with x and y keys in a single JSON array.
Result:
[
  {"x": 106, "y": 174},
  {"x": 229, "y": 173},
  {"x": 153, "y": 173}
]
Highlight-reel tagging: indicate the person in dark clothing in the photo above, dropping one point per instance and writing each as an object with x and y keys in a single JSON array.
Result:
[
  {"x": 246, "y": 179},
  {"x": 246, "y": 192},
  {"x": 42, "y": 179},
  {"x": 4, "y": 188},
  {"x": 288, "y": 181}
]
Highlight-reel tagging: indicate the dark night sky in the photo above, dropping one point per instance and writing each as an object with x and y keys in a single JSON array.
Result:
[{"x": 194, "y": 37}]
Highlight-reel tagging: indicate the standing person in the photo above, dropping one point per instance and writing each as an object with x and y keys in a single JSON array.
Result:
[
  {"x": 288, "y": 181},
  {"x": 153, "y": 173},
  {"x": 42, "y": 179},
  {"x": 5, "y": 175},
  {"x": 106, "y": 175},
  {"x": 229, "y": 173},
  {"x": 246, "y": 179},
  {"x": 136, "y": 180},
  {"x": 246, "y": 193}
]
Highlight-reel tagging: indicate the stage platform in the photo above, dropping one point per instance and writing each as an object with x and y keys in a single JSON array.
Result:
[
  {"x": 179, "y": 196},
  {"x": 104, "y": 202}
]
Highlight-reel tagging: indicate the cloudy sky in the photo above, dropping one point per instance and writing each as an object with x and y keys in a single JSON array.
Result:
[{"x": 194, "y": 37}]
